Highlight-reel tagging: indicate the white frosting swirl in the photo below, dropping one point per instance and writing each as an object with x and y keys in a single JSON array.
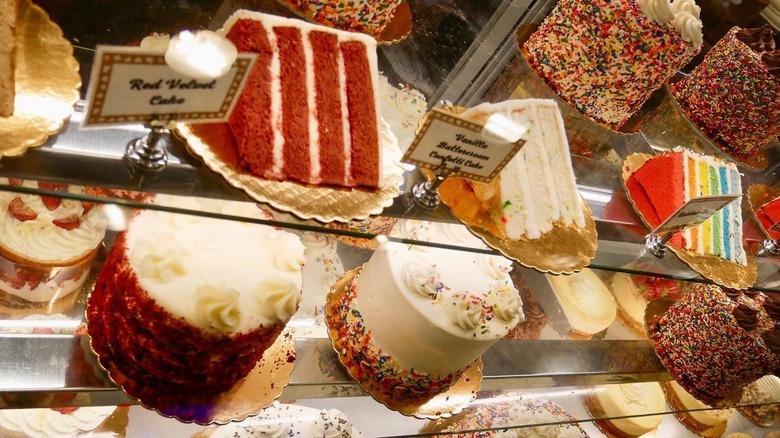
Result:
[
  {"x": 332, "y": 424},
  {"x": 278, "y": 298},
  {"x": 659, "y": 11},
  {"x": 464, "y": 312},
  {"x": 688, "y": 6},
  {"x": 689, "y": 27},
  {"x": 156, "y": 42},
  {"x": 506, "y": 302},
  {"x": 456, "y": 233},
  {"x": 47, "y": 423},
  {"x": 157, "y": 257},
  {"x": 217, "y": 308},
  {"x": 422, "y": 277},
  {"x": 288, "y": 257},
  {"x": 495, "y": 266}
]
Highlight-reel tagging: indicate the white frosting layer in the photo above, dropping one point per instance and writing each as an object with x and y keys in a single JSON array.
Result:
[
  {"x": 39, "y": 239},
  {"x": 660, "y": 11},
  {"x": 281, "y": 420},
  {"x": 436, "y": 232},
  {"x": 218, "y": 275},
  {"x": 402, "y": 108},
  {"x": 442, "y": 334},
  {"x": 537, "y": 187},
  {"x": 632, "y": 399},
  {"x": 272, "y": 21},
  {"x": 47, "y": 423},
  {"x": 586, "y": 302}
]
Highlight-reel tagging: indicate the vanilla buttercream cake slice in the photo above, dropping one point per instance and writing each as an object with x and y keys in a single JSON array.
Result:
[{"x": 537, "y": 188}]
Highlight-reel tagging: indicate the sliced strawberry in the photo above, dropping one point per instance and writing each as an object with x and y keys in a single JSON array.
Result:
[
  {"x": 65, "y": 410},
  {"x": 21, "y": 211},
  {"x": 57, "y": 187},
  {"x": 15, "y": 181},
  {"x": 68, "y": 223},
  {"x": 87, "y": 206},
  {"x": 51, "y": 202}
]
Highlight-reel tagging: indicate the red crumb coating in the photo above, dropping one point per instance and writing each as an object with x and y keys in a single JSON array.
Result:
[
  {"x": 700, "y": 342},
  {"x": 363, "y": 127},
  {"x": 663, "y": 179},
  {"x": 131, "y": 333},
  {"x": 250, "y": 120},
  {"x": 328, "y": 97},
  {"x": 295, "y": 109}
]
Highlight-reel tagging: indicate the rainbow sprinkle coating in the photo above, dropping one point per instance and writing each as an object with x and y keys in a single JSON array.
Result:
[
  {"x": 732, "y": 97},
  {"x": 605, "y": 57},
  {"x": 368, "y": 365},
  {"x": 702, "y": 345},
  {"x": 509, "y": 413},
  {"x": 365, "y": 16}
]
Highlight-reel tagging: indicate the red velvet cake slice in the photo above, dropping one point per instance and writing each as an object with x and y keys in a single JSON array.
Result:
[
  {"x": 309, "y": 111},
  {"x": 769, "y": 214}
]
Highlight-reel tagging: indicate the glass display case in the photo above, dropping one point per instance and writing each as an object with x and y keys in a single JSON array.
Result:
[{"x": 463, "y": 52}]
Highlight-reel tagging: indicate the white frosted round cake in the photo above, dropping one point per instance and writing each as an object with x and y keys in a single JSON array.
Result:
[
  {"x": 626, "y": 406},
  {"x": 283, "y": 420},
  {"x": 52, "y": 423},
  {"x": 436, "y": 232},
  {"x": 46, "y": 243},
  {"x": 447, "y": 308},
  {"x": 188, "y": 304}
]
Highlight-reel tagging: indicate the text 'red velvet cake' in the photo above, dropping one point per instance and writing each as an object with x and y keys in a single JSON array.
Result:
[
  {"x": 309, "y": 110},
  {"x": 187, "y": 305}
]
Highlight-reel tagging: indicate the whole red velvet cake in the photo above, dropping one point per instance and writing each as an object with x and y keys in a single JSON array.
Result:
[
  {"x": 309, "y": 110},
  {"x": 178, "y": 307}
]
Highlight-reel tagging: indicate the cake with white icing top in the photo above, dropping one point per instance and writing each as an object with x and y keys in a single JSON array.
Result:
[
  {"x": 189, "y": 304},
  {"x": 52, "y": 423},
  {"x": 454, "y": 306},
  {"x": 537, "y": 190},
  {"x": 585, "y": 301},
  {"x": 436, "y": 232},
  {"x": 283, "y": 420},
  {"x": 625, "y": 408},
  {"x": 309, "y": 111}
]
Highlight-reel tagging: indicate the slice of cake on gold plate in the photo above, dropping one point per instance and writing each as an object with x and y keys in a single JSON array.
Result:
[
  {"x": 586, "y": 302},
  {"x": 537, "y": 190},
  {"x": 309, "y": 111},
  {"x": 185, "y": 306},
  {"x": 448, "y": 308},
  {"x": 696, "y": 416},
  {"x": 628, "y": 404}
]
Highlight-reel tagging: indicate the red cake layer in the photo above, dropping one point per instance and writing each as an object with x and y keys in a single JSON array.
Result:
[
  {"x": 343, "y": 68},
  {"x": 663, "y": 179},
  {"x": 133, "y": 334},
  {"x": 330, "y": 125},
  {"x": 769, "y": 214},
  {"x": 642, "y": 202},
  {"x": 250, "y": 121}
]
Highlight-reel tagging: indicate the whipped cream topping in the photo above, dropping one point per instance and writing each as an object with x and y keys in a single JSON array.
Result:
[
  {"x": 465, "y": 310},
  {"x": 217, "y": 307},
  {"x": 494, "y": 266},
  {"x": 682, "y": 15},
  {"x": 506, "y": 302},
  {"x": 256, "y": 282},
  {"x": 278, "y": 298},
  {"x": 48, "y": 423},
  {"x": 332, "y": 423},
  {"x": 422, "y": 277},
  {"x": 40, "y": 239}
]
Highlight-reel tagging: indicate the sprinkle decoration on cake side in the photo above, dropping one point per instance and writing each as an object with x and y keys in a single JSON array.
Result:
[
  {"x": 605, "y": 58},
  {"x": 309, "y": 111},
  {"x": 716, "y": 341},
  {"x": 365, "y": 16},
  {"x": 733, "y": 96}
]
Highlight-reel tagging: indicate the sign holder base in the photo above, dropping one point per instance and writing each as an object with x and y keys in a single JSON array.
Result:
[
  {"x": 656, "y": 243},
  {"x": 769, "y": 248},
  {"x": 426, "y": 193},
  {"x": 148, "y": 152}
]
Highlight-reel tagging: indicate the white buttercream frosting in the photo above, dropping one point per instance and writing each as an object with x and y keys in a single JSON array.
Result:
[
  {"x": 506, "y": 302},
  {"x": 689, "y": 27},
  {"x": 633, "y": 400},
  {"x": 402, "y": 108},
  {"x": 421, "y": 276},
  {"x": 40, "y": 239},
  {"x": 660, "y": 11},
  {"x": 688, "y": 6},
  {"x": 282, "y": 420},
  {"x": 437, "y": 232},
  {"x": 332, "y": 423},
  {"x": 156, "y": 42},
  {"x": 48, "y": 423},
  {"x": 449, "y": 331},
  {"x": 201, "y": 54},
  {"x": 226, "y": 264}
]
